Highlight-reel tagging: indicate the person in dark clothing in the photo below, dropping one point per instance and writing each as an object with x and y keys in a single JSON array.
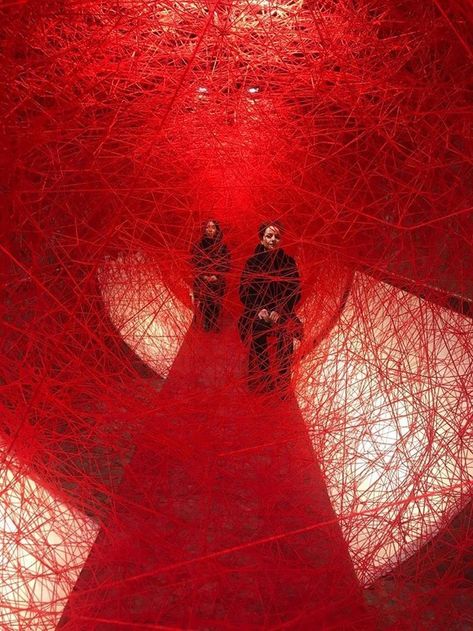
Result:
[
  {"x": 211, "y": 261},
  {"x": 270, "y": 289}
]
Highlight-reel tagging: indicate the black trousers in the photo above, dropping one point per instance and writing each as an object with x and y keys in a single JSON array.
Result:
[
  {"x": 208, "y": 302},
  {"x": 269, "y": 370},
  {"x": 209, "y": 312}
]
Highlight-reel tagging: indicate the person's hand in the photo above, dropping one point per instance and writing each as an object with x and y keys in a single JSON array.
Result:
[
  {"x": 274, "y": 317},
  {"x": 264, "y": 315}
]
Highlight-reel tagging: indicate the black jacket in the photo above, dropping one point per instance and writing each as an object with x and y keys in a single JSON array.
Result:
[
  {"x": 270, "y": 280},
  {"x": 210, "y": 256}
]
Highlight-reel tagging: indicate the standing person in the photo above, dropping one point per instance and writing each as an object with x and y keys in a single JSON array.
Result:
[
  {"x": 269, "y": 290},
  {"x": 211, "y": 261}
]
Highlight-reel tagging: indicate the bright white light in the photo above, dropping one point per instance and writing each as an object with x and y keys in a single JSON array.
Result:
[
  {"x": 253, "y": 90},
  {"x": 148, "y": 316},
  {"x": 386, "y": 398},
  {"x": 44, "y": 545},
  {"x": 202, "y": 90}
]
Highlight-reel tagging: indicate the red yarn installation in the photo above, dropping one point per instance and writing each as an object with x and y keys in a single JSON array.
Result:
[{"x": 143, "y": 486}]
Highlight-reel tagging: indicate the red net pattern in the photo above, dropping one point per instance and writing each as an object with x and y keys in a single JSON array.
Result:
[{"x": 143, "y": 486}]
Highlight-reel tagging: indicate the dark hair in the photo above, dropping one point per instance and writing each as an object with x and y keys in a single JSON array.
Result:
[
  {"x": 218, "y": 234},
  {"x": 267, "y": 224}
]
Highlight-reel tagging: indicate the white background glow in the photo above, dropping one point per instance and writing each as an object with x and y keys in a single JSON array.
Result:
[
  {"x": 43, "y": 549},
  {"x": 387, "y": 398},
  {"x": 151, "y": 320}
]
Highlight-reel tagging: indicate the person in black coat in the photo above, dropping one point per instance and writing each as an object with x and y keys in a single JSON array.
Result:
[
  {"x": 270, "y": 289},
  {"x": 211, "y": 261}
]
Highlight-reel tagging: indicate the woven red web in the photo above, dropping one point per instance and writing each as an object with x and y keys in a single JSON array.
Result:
[{"x": 143, "y": 486}]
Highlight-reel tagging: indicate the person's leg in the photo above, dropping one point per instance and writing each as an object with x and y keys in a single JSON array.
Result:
[
  {"x": 218, "y": 301},
  {"x": 216, "y": 311},
  {"x": 214, "y": 299},
  {"x": 284, "y": 352},
  {"x": 206, "y": 306},
  {"x": 197, "y": 320},
  {"x": 199, "y": 313},
  {"x": 258, "y": 362},
  {"x": 211, "y": 314}
]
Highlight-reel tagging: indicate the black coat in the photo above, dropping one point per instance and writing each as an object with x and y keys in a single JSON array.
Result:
[
  {"x": 210, "y": 257},
  {"x": 270, "y": 280}
]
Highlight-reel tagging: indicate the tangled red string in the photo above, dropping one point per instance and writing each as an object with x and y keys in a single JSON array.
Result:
[{"x": 143, "y": 485}]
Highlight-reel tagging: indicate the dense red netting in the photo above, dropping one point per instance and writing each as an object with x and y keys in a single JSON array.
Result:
[{"x": 143, "y": 485}]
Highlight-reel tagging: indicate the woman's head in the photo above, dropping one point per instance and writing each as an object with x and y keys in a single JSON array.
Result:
[
  {"x": 270, "y": 234},
  {"x": 212, "y": 229}
]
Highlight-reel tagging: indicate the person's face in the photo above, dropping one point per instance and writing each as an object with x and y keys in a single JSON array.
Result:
[
  {"x": 210, "y": 230},
  {"x": 271, "y": 238}
]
